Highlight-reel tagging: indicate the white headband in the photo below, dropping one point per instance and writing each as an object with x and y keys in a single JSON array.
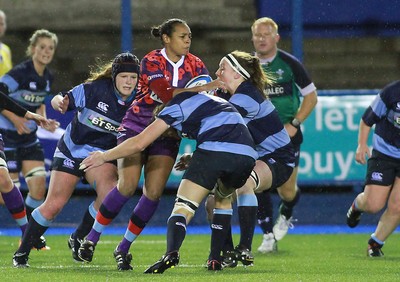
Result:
[{"x": 236, "y": 66}]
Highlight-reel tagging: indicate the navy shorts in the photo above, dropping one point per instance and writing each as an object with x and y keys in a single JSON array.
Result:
[
  {"x": 296, "y": 140},
  {"x": 16, "y": 156},
  {"x": 70, "y": 165},
  {"x": 164, "y": 145},
  {"x": 206, "y": 167},
  {"x": 280, "y": 171},
  {"x": 382, "y": 169}
]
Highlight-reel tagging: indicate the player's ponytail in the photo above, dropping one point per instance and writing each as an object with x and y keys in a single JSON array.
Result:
[
  {"x": 252, "y": 66},
  {"x": 166, "y": 28}
]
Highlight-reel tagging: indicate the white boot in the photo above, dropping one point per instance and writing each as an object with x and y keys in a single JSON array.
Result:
[{"x": 269, "y": 244}]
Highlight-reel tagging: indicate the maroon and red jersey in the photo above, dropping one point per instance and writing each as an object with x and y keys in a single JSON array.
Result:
[{"x": 159, "y": 76}]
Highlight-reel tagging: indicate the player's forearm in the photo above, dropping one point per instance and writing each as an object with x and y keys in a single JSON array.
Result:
[
  {"x": 10, "y": 115},
  {"x": 307, "y": 106},
  {"x": 125, "y": 149},
  {"x": 363, "y": 133},
  {"x": 9, "y": 104}
]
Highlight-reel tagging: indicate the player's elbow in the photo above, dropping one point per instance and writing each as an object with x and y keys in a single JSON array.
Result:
[{"x": 315, "y": 100}]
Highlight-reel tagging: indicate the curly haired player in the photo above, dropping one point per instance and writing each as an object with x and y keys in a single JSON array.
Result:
[{"x": 100, "y": 104}]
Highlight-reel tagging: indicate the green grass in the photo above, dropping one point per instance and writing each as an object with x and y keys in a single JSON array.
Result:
[{"x": 340, "y": 257}]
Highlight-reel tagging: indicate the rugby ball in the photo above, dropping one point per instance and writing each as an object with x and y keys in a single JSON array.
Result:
[{"x": 198, "y": 81}]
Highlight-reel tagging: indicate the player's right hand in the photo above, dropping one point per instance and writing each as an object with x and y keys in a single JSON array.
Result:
[{"x": 183, "y": 162}]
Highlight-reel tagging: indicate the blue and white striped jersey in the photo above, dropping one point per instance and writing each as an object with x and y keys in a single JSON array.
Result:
[
  {"x": 212, "y": 121},
  {"x": 270, "y": 137},
  {"x": 384, "y": 112},
  {"x": 99, "y": 112},
  {"x": 29, "y": 90}
]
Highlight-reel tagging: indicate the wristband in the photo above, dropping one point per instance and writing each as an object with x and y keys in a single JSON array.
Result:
[{"x": 295, "y": 122}]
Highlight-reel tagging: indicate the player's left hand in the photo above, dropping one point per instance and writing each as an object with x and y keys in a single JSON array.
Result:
[
  {"x": 94, "y": 159},
  {"x": 291, "y": 130},
  {"x": 51, "y": 125}
]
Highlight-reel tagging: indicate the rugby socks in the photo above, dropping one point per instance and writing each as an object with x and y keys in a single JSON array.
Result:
[
  {"x": 31, "y": 204},
  {"x": 286, "y": 208},
  {"x": 176, "y": 232},
  {"x": 140, "y": 216},
  {"x": 265, "y": 211},
  {"x": 86, "y": 224},
  {"x": 37, "y": 225},
  {"x": 220, "y": 227},
  {"x": 109, "y": 209},
  {"x": 228, "y": 244},
  {"x": 373, "y": 241},
  {"x": 247, "y": 210},
  {"x": 131, "y": 233},
  {"x": 15, "y": 205}
]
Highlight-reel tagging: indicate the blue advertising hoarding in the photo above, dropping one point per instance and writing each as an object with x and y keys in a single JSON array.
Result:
[{"x": 330, "y": 141}]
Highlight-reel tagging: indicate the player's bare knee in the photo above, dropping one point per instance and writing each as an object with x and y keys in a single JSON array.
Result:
[
  {"x": 126, "y": 190},
  {"x": 154, "y": 195},
  {"x": 394, "y": 209},
  {"x": 5, "y": 182},
  {"x": 371, "y": 206}
]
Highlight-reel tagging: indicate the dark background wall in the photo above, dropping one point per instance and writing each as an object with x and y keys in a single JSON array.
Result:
[{"x": 347, "y": 44}]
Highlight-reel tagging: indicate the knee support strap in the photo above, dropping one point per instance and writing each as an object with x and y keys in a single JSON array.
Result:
[
  {"x": 222, "y": 191},
  {"x": 3, "y": 163},
  {"x": 184, "y": 203},
  {"x": 256, "y": 179},
  {"x": 37, "y": 171},
  {"x": 17, "y": 183}
]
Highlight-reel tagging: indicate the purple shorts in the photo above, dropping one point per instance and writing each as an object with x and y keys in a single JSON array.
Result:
[
  {"x": 164, "y": 146},
  {"x": 138, "y": 119}
]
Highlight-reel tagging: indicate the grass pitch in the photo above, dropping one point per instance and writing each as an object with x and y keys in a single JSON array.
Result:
[{"x": 340, "y": 257}]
